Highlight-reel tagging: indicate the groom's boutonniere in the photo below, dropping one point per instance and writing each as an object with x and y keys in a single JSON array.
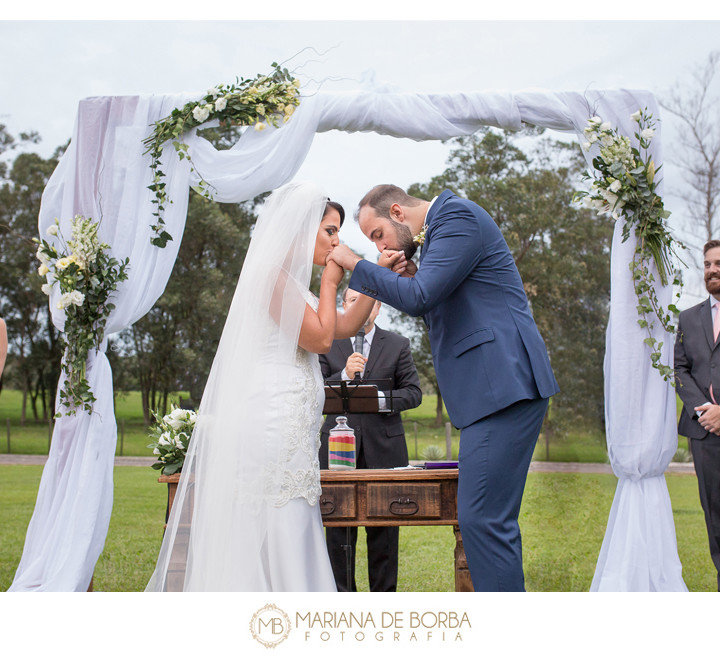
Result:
[{"x": 419, "y": 239}]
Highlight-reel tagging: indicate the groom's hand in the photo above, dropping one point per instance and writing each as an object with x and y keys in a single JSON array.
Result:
[{"x": 344, "y": 257}]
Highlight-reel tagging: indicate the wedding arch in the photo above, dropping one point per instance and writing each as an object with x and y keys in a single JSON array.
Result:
[{"x": 104, "y": 172}]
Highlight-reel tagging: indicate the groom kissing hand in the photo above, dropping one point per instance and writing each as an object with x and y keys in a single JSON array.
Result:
[{"x": 490, "y": 360}]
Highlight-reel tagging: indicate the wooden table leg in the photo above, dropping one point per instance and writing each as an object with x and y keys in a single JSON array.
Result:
[{"x": 463, "y": 582}]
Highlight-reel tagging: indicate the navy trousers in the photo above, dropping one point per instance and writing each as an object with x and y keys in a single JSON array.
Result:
[{"x": 495, "y": 454}]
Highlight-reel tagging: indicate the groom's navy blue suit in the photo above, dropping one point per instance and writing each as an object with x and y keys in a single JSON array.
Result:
[{"x": 492, "y": 368}]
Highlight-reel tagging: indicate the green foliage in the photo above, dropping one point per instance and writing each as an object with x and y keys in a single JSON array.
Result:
[
  {"x": 253, "y": 101},
  {"x": 33, "y": 363},
  {"x": 172, "y": 347},
  {"x": 624, "y": 186},
  {"x": 87, "y": 276}
]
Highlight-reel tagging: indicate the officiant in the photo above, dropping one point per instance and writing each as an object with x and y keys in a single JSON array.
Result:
[{"x": 385, "y": 358}]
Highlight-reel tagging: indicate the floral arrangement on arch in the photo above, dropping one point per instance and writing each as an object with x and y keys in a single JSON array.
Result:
[
  {"x": 259, "y": 102},
  {"x": 172, "y": 434},
  {"x": 624, "y": 184},
  {"x": 87, "y": 276}
]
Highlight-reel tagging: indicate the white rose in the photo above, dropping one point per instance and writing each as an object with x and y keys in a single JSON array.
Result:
[
  {"x": 593, "y": 138},
  {"x": 615, "y": 186},
  {"x": 648, "y": 133},
  {"x": 164, "y": 439},
  {"x": 586, "y": 146},
  {"x": 635, "y": 116},
  {"x": 77, "y": 298},
  {"x": 220, "y": 104},
  {"x": 174, "y": 423},
  {"x": 178, "y": 413},
  {"x": 606, "y": 140},
  {"x": 63, "y": 301},
  {"x": 52, "y": 230},
  {"x": 43, "y": 270},
  {"x": 596, "y": 120},
  {"x": 200, "y": 113},
  {"x": 40, "y": 255},
  {"x": 260, "y": 126},
  {"x": 47, "y": 288},
  {"x": 605, "y": 126},
  {"x": 214, "y": 92}
]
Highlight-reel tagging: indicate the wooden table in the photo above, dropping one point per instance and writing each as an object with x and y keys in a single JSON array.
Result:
[
  {"x": 390, "y": 497},
  {"x": 387, "y": 497}
]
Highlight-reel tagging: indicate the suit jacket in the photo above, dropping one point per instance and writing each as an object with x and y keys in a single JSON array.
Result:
[
  {"x": 487, "y": 350},
  {"x": 381, "y": 435},
  {"x": 697, "y": 365}
]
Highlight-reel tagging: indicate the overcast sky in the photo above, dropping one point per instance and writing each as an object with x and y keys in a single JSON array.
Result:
[{"x": 46, "y": 67}]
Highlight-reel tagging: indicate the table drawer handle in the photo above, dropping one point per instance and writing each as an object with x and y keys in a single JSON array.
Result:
[
  {"x": 327, "y": 505},
  {"x": 403, "y": 502}
]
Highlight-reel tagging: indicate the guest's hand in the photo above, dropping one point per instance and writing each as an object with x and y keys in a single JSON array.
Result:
[
  {"x": 355, "y": 364},
  {"x": 344, "y": 257},
  {"x": 710, "y": 419},
  {"x": 333, "y": 273}
]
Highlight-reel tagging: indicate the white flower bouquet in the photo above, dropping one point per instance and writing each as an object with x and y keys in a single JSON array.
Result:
[
  {"x": 86, "y": 276},
  {"x": 172, "y": 434},
  {"x": 259, "y": 102},
  {"x": 624, "y": 186}
]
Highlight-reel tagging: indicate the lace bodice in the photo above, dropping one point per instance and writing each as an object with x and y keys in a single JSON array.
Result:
[{"x": 298, "y": 467}]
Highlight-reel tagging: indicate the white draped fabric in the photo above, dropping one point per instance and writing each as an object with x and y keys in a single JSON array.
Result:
[{"x": 104, "y": 174}]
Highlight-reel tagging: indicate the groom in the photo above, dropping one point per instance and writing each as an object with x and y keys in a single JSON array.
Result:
[{"x": 490, "y": 360}]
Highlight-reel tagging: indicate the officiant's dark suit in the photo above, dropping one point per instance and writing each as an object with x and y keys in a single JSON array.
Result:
[
  {"x": 490, "y": 360},
  {"x": 697, "y": 368},
  {"x": 380, "y": 443}
]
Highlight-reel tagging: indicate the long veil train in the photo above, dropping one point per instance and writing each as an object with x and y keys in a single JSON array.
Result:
[{"x": 243, "y": 514}]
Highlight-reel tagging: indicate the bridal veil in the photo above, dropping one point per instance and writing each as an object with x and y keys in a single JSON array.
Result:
[{"x": 216, "y": 535}]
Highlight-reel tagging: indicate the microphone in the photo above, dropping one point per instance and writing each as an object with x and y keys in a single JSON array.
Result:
[{"x": 359, "y": 339}]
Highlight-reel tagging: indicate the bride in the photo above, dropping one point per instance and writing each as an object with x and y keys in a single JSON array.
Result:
[{"x": 246, "y": 515}]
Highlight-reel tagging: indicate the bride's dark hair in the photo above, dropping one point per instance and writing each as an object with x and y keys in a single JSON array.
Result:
[{"x": 334, "y": 205}]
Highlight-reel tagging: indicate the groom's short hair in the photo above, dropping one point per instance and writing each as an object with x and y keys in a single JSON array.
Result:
[{"x": 381, "y": 197}]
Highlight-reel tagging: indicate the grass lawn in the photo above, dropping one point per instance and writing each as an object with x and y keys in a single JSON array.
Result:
[
  {"x": 132, "y": 440},
  {"x": 563, "y": 522}
]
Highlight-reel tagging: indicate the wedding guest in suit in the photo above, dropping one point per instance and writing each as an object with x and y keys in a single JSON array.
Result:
[
  {"x": 380, "y": 438},
  {"x": 490, "y": 360},
  {"x": 697, "y": 376}
]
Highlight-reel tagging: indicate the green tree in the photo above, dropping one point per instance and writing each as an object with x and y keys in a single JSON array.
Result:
[
  {"x": 562, "y": 253},
  {"x": 34, "y": 359},
  {"x": 173, "y": 346}
]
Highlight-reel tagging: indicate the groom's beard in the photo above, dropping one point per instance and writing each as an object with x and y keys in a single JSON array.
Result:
[{"x": 404, "y": 239}]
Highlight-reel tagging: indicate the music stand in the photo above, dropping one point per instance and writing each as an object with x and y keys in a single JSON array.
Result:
[{"x": 357, "y": 396}]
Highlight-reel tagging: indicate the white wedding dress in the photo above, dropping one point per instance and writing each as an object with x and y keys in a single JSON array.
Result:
[{"x": 246, "y": 514}]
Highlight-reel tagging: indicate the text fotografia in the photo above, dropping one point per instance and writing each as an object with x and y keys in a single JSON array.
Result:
[{"x": 386, "y": 626}]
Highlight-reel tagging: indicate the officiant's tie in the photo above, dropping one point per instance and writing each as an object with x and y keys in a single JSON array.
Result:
[{"x": 716, "y": 331}]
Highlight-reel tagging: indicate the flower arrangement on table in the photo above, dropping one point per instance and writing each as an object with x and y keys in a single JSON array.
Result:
[
  {"x": 259, "y": 102},
  {"x": 172, "y": 434},
  {"x": 624, "y": 184},
  {"x": 87, "y": 276}
]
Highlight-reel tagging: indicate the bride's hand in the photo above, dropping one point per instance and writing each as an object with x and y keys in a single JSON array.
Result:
[{"x": 333, "y": 273}]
